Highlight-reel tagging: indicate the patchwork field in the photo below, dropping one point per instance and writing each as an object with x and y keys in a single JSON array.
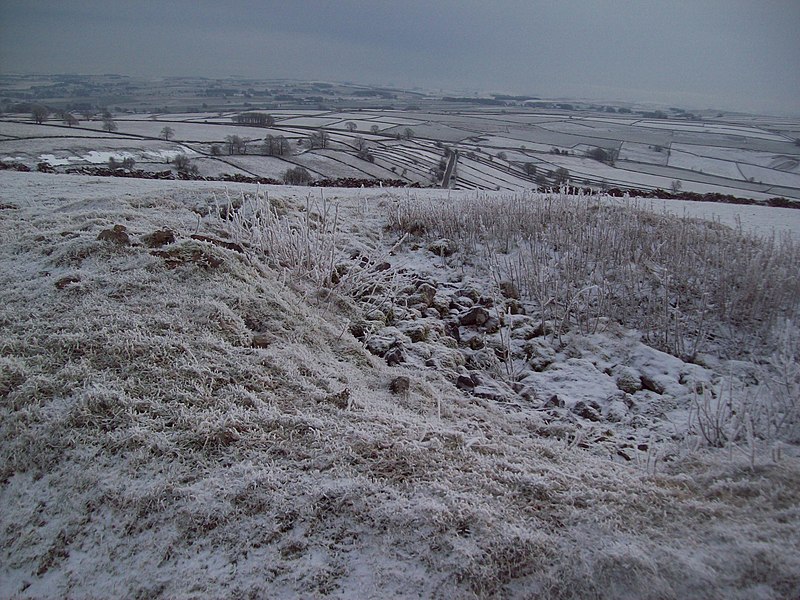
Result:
[{"x": 520, "y": 146}]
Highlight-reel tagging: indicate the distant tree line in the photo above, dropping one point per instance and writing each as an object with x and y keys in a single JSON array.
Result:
[
  {"x": 603, "y": 155},
  {"x": 255, "y": 118}
]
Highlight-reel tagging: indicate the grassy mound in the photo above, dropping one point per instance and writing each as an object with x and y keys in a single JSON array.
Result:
[{"x": 179, "y": 421}]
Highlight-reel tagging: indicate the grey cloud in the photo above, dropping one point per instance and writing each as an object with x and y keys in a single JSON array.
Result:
[{"x": 726, "y": 53}]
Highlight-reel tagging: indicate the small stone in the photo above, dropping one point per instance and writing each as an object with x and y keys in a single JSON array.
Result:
[
  {"x": 427, "y": 292},
  {"x": 117, "y": 235},
  {"x": 509, "y": 290},
  {"x": 262, "y": 340},
  {"x": 217, "y": 242},
  {"x": 628, "y": 380},
  {"x": 395, "y": 356},
  {"x": 451, "y": 330},
  {"x": 554, "y": 402},
  {"x": 340, "y": 400},
  {"x": 590, "y": 412},
  {"x": 650, "y": 384},
  {"x": 400, "y": 385},
  {"x": 159, "y": 238},
  {"x": 467, "y": 382},
  {"x": 65, "y": 281},
  {"x": 515, "y": 307},
  {"x": 358, "y": 330},
  {"x": 475, "y": 316},
  {"x": 442, "y": 247}
]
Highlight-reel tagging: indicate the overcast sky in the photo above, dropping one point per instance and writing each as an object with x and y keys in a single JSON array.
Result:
[{"x": 734, "y": 54}]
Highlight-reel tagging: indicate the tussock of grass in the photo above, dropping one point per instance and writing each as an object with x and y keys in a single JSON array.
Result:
[
  {"x": 687, "y": 284},
  {"x": 149, "y": 449}
]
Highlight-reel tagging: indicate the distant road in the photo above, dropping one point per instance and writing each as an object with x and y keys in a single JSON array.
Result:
[{"x": 451, "y": 165}]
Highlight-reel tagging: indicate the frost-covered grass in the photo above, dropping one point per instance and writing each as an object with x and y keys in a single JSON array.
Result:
[
  {"x": 693, "y": 288},
  {"x": 682, "y": 282},
  {"x": 190, "y": 421}
]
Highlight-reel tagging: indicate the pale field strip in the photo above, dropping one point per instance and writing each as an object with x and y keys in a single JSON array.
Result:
[
  {"x": 769, "y": 160},
  {"x": 713, "y": 128},
  {"x": 692, "y": 162}
]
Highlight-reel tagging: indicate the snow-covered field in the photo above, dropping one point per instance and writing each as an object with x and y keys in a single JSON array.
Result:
[
  {"x": 745, "y": 159},
  {"x": 242, "y": 391}
]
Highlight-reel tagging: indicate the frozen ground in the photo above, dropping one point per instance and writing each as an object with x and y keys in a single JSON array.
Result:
[{"x": 217, "y": 417}]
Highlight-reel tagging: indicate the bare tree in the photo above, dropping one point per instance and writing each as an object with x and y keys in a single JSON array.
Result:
[
  {"x": 236, "y": 144},
  {"x": 275, "y": 146},
  {"x": 255, "y": 118},
  {"x": 676, "y": 186},
  {"x": 297, "y": 176},
  {"x": 183, "y": 165},
  {"x": 319, "y": 139},
  {"x": 109, "y": 125},
  {"x": 374, "y": 129},
  {"x": 408, "y": 133},
  {"x": 39, "y": 113},
  {"x": 68, "y": 118},
  {"x": 602, "y": 155},
  {"x": 530, "y": 168},
  {"x": 351, "y": 127},
  {"x": 561, "y": 176},
  {"x": 167, "y": 133}
]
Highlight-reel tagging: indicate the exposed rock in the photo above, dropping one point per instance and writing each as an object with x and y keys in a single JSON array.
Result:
[
  {"x": 159, "y": 238},
  {"x": 262, "y": 340},
  {"x": 509, "y": 290},
  {"x": 221, "y": 243},
  {"x": 628, "y": 380},
  {"x": 515, "y": 307},
  {"x": 116, "y": 235},
  {"x": 467, "y": 382},
  {"x": 339, "y": 399},
  {"x": 416, "y": 331},
  {"x": 177, "y": 256},
  {"x": 427, "y": 292},
  {"x": 442, "y": 247},
  {"x": 451, "y": 330},
  {"x": 553, "y": 402},
  {"x": 395, "y": 356},
  {"x": 475, "y": 316},
  {"x": 587, "y": 410},
  {"x": 65, "y": 281},
  {"x": 470, "y": 293},
  {"x": 358, "y": 330},
  {"x": 400, "y": 385},
  {"x": 651, "y": 385},
  {"x": 492, "y": 325}
]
